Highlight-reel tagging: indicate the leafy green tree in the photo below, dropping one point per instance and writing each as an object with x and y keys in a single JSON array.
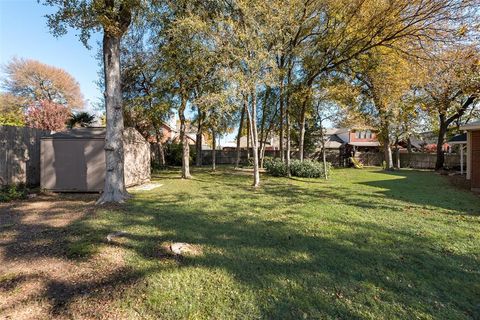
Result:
[
  {"x": 347, "y": 30},
  {"x": 113, "y": 17},
  {"x": 451, "y": 89},
  {"x": 189, "y": 56},
  {"x": 147, "y": 102},
  {"x": 11, "y": 111}
]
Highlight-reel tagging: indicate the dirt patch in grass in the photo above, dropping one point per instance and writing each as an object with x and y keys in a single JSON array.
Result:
[{"x": 38, "y": 277}]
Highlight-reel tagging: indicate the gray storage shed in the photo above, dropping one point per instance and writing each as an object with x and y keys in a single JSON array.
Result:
[{"x": 74, "y": 160}]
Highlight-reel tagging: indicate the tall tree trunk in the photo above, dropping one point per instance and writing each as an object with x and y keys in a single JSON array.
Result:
[
  {"x": 409, "y": 150},
  {"x": 445, "y": 123},
  {"x": 263, "y": 137},
  {"x": 252, "y": 120},
  {"x": 249, "y": 128},
  {"x": 161, "y": 152},
  {"x": 303, "y": 114},
  {"x": 385, "y": 136},
  {"x": 387, "y": 151},
  {"x": 301, "y": 141},
  {"x": 114, "y": 189},
  {"x": 239, "y": 135},
  {"x": 214, "y": 148},
  {"x": 324, "y": 156},
  {"x": 269, "y": 130},
  {"x": 282, "y": 111},
  {"x": 397, "y": 155},
  {"x": 287, "y": 123},
  {"x": 184, "y": 140},
  {"x": 289, "y": 140},
  {"x": 198, "y": 142},
  {"x": 442, "y": 132}
]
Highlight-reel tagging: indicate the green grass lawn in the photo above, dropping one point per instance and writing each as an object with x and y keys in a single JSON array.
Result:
[{"x": 365, "y": 244}]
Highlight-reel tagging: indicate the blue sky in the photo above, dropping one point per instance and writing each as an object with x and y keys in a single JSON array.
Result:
[{"x": 24, "y": 34}]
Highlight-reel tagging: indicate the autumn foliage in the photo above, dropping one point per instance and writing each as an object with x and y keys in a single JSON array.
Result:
[
  {"x": 47, "y": 115},
  {"x": 30, "y": 80}
]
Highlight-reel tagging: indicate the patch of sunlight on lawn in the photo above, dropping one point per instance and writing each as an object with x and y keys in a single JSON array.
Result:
[{"x": 365, "y": 244}]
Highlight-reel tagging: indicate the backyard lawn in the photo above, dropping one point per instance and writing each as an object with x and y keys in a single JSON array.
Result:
[{"x": 364, "y": 245}]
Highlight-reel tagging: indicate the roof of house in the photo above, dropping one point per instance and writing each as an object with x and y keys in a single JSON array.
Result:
[
  {"x": 459, "y": 139},
  {"x": 471, "y": 126},
  {"x": 333, "y": 142}
]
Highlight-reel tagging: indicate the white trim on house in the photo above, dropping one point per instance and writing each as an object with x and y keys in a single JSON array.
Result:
[
  {"x": 365, "y": 144},
  {"x": 469, "y": 154},
  {"x": 469, "y": 128}
]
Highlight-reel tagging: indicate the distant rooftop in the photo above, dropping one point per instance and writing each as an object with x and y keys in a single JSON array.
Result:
[{"x": 471, "y": 126}]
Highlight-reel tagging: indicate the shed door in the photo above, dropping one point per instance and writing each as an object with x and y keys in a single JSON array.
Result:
[{"x": 475, "y": 159}]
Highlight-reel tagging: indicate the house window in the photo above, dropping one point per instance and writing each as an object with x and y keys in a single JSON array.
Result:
[
  {"x": 357, "y": 134},
  {"x": 363, "y": 134},
  {"x": 369, "y": 134}
]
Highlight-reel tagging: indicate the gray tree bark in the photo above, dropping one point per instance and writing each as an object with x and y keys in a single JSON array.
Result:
[
  {"x": 214, "y": 149},
  {"x": 198, "y": 142},
  {"x": 302, "y": 133},
  {"x": 324, "y": 156},
  {"x": 252, "y": 120},
  {"x": 239, "y": 135},
  {"x": 184, "y": 141},
  {"x": 161, "y": 152},
  {"x": 282, "y": 148},
  {"x": 289, "y": 142},
  {"x": 114, "y": 189}
]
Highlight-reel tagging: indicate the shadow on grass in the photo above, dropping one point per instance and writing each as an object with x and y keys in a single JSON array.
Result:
[
  {"x": 425, "y": 189},
  {"x": 297, "y": 270}
]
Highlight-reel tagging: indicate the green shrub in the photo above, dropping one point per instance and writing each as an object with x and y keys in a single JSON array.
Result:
[
  {"x": 305, "y": 169},
  {"x": 13, "y": 192},
  {"x": 275, "y": 167},
  {"x": 308, "y": 169},
  {"x": 174, "y": 152}
]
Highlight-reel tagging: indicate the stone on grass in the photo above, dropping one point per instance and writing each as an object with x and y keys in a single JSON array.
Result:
[
  {"x": 181, "y": 249},
  {"x": 117, "y": 234}
]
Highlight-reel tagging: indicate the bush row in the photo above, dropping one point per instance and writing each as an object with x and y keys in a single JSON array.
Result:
[{"x": 303, "y": 169}]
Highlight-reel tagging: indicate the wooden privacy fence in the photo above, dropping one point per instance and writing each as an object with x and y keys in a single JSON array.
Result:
[
  {"x": 428, "y": 160},
  {"x": 230, "y": 156},
  {"x": 20, "y": 155},
  {"x": 415, "y": 160}
]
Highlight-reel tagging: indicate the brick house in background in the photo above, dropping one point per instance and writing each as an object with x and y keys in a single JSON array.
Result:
[{"x": 168, "y": 134}]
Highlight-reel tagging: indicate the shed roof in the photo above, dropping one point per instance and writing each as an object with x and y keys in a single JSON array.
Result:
[{"x": 79, "y": 133}]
